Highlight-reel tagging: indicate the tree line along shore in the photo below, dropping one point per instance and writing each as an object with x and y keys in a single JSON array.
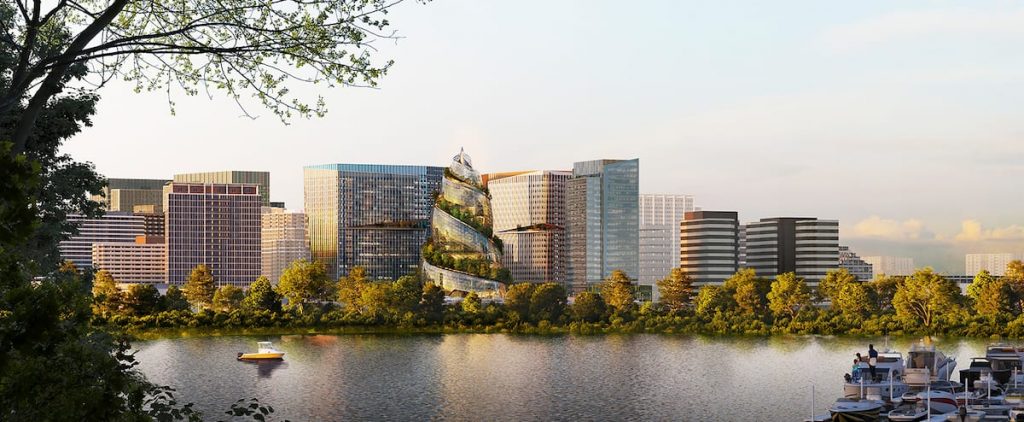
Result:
[{"x": 306, "y": 300}]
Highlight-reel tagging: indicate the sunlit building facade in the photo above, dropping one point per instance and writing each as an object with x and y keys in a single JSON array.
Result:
[
  {"x": 602, "y": 208},
  {"x": 259, "y": 178},
  {"x": 709, "y": 245},
  {"x": 143, "y": 261},
  {"x": 808, "y": 247},
  {"x": 891, "y": 265},
  {"x": 529, "y": 218},
  {"x": 373, "y": 216},
  {"x": 123, "y": 195},
  {"x": 213, "y": 224},
  {"x": 660, "y": 216},
  {"x": 111, "y": 227},
  {"x": 994, "y": 263},
  {"x": 283, "y": 240}
]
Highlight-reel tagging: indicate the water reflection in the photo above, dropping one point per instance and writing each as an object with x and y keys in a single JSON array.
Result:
[{"x": 266, "y": 368}]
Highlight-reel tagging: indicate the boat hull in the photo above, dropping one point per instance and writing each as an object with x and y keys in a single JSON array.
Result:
[{"x": 260, "y": 356}]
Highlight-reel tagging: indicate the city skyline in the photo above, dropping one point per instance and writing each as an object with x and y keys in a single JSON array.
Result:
[{"x": 846, "y": 113}]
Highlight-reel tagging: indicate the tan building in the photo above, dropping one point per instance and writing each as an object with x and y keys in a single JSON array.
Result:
[
  {"x": 125, "y": 194},
  {"x": 143, "y": 261},
  {"x": 111, "y": 227},
  {"x": 529, "y": 218},
  {"x": 890, "y": 265},
  {"x": 213, "y": 224},
  {"x": 261, "y": 178},
  {"x": 284, "y": 240}
]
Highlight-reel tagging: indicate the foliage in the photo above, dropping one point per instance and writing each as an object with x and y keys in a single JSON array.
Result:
[
  {"x": 478, "y": 266},
  {"x": 980, "y": 280},
  {"x": 589, "y": 307},
  {"x": 834, "y": 281},
  {"x": 305, "y": 281},
  {"x": 925, "y": 296},
  {"x": 676, "y": 290},
  {"x": 140, "y": 299},
  {"x": 261, "y": 296},
  {"x": 406, "y": 293},
  {"x": 852, "y": 299},
  {"x": 471, "y": 304},
  {"x": 883, "y": 290},
  {"x": 517, "y": 299},
  {"x": 748, "y": 290},
  {"x": 710, "y": 299},
  {"x": 617, "y": 291},
  {"x": 789, "y": 294},
  {"x": 200, "y": 287},
  {"x": 106, "y": 296},
  {"x": 174, "y": 299},
  {"x": 432, "y": 303},
  {"x": 994, "y": 298},
  {"x": 228, "y": 298},
  {"x": 547, "y": 302},
  {"x": 350, "y": 286}
]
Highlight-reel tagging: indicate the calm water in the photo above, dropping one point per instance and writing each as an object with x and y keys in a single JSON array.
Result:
[{"x": 500, "y": 377}]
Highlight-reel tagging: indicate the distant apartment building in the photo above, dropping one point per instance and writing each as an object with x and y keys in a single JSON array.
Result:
[
  {"x": 529, "y": 218},
  {"x": 260, "y": 178},
  {"x": 368, "y": 215},
  {"x": 709, "y": 245},
  {"x": 890, "y": 265},
  {"x": 853, "y": 264},
  {"x": 111, "y": 227},
  {"x": 602, "y": 207},
  {"x": 994, "y": 263},
  {"x": 214, "y": 224},
  {"x": 125, "y": 194},
  {"x": 154, "y": 216},
  {"x": 660, "y": 216},
  {"x": 283, "y": 240},
  {"x": 143, "y": 261},
  {"x": 806, "y": 246}
]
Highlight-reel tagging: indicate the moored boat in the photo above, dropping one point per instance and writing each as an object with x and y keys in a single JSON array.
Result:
[
  {"x": 265, "y": 351},
  {"x": 847, "y": 410},
  {"x": 925, "y": 364}
]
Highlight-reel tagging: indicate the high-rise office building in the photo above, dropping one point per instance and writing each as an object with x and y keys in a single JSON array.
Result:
[
  {"x": 111, "y": 227},
  {"x": 994, "y": 263},
  {"x": 373, "y": 216},
  {"x": 602, "y": 207},
  {"x": 154, "y": 218},
  {"x": 806, "y": 246},
  {"x": 709, "y": 245},
  {"x": 890, "y": 265},
  {"x": 854, "y": 264},
  {"x": 283, "y": 241},
  {"x": 529, "y": 218},
  {"x": 660, "y": 216},
  {"x": 260, "y": 178},
  {"x": 462, "y": 256},
  {"x": 213, "y": 224},
  {"x": 143, "y": 261},
  {"x": 124, "y": 194}
]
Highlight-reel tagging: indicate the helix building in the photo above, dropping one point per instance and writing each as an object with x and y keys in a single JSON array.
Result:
[
  {"x": 462, "y": 254},
  {"x": 529, "y": 218},
  {"x": 367, "y": 215}
]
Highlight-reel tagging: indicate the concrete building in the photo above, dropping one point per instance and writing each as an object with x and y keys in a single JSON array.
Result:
[
  {"x": 260, "y": 178},
  {"x": 123, "y": 195},
  {"x": 602, "y": 207},
  {"x": 709, "y": 245},
  {"x": 995, "y": 263},
  {"x": 854, "y": 264},
  {"x": 143, "y": 261},
  {"x": 806, "y": 246},
  {"x": 660, "y": 216},
  {"x": 890, "y": 265},
  {"x": 213, "y": 224},
  {"x": 374, "y": 216},
  {"x": 529, "y": 218},
  {"x": 154, "y": 216},
  {"x": 111, "y": 227},
  {"x": 283, "y": 240}
]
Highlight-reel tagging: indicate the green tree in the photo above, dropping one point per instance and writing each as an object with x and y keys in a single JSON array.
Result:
[
  {"x": 676, "y": 291},
  {"x": 471, "y": 304},
  {"x": 789, "y": 294},
  {"x": 617, "y": 291},
  {"x": 174, "y": 300},
  {"x": 106, "y": 296},
  {"x": 588, "y": 307},
  {"x": 547, "y": 302},
  {"x": 834, "y": 281},
  {"x": 517, "y": 299},
  {"x": 261, "y": 296},
  {"x": 925, "y": 296},
  {"x": 994, "y": 298},
  {"x": 432, "y": 303},
  {"x": 711, "y": 298},
  {"x": 1014, "y": 277},
  {"x": 748, "y": 290},
  {"x": 980, "y": 280},
  {"x": 350, "y": 287},
  {"x": 228, "y": 298},
  {"x": 305, "y": 281},
  {"x": 374, "y": 299},
  {"x": 883, "y": 289},
  {"x": 140, "y": 299},
  {"x": 200, "y": 287},
  {"x": 406, "y": 293},
  {"x": 853, "y": 299}
]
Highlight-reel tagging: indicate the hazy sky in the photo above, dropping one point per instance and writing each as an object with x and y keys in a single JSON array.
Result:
[{"x": 900, "y": 119}]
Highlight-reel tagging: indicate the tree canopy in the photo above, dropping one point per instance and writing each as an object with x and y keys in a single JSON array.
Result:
[
  {"x": 925, "y": 297},
  {"x": 676, "y": 290},
  {"x": 200, "y": 287},
  {"x": 617, "y": 291},
  {"x": 789, "y": 294}
]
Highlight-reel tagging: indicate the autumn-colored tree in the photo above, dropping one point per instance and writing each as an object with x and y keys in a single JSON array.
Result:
[
  {"x": 200, "y": 287},
  {"x": 853, "y": 299},
  {"x": 748, "y": 290},
  {"x": 471, "y": 304},
  {"x": 830, "y": 286},
  {"x": 711, "y": 298},
  {"x": 789, "y": 294},
  {"x": 350, "y": 287},
  {"x": 617, "y": 291},
  {"x": 994, "y": 298},
  {"x": 106, "y": 298},
  {"x": 676, "y": 291},
  {"x": 1014, "y": 277},
  {"x": 926, "y": 296}
]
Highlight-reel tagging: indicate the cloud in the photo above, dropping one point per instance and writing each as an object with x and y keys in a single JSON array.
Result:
[
  {"x": 973, "y": 231},
  {"x": 910, "y": 24},
  {"x": 881, "y": 228}
]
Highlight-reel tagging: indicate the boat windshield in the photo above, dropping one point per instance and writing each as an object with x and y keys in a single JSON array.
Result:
[{"x": 264, "y": 345}]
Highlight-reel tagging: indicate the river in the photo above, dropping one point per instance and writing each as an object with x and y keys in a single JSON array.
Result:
[{"x": 476, "y": 377}]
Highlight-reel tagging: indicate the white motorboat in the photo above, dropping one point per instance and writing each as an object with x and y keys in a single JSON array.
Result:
[
  {"x": 847, "y": 410},
  {"x": 885, "y": 383},
  {"x": 939, "y": 401},
  {"x": 926, "y": 364},
  {"x": 908, "y": 412}
]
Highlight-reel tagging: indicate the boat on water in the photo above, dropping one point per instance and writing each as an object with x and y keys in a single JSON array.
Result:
[
  {"x": 885, "y": 383},
  {"x": 265, "y": 351},
  {"x": 849, "y": 410},
  {"x": 926, "y": 364}
]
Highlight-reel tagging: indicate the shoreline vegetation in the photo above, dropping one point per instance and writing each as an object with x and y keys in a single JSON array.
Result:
[{"x": 924, "y": 303}]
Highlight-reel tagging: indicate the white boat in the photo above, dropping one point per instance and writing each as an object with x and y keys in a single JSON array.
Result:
[
  {"x": 265, "y": 351},
  {"x": 847, "y": 410},
  {"x": 886, "y": 382},
  {"x": 939, "y": 401},
  {"x": 926, "y": 364},
  {"x": 959, "y": 416}
]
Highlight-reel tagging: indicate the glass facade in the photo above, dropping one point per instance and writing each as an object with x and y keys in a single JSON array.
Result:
[
  {"x": 604, "y": 202},
  {"x": 373, "y": 216},
  {"x": 283, "y": 240},
  {"x": 529, "y": 218}
]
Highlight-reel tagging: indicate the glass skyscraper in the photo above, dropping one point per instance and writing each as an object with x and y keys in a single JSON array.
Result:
[
  {"x": 373, "y": 216},
  {"x": 602, "y": 204}
]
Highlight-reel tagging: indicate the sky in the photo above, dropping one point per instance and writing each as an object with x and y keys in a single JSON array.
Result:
[{"x": 900, "y": 119}]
